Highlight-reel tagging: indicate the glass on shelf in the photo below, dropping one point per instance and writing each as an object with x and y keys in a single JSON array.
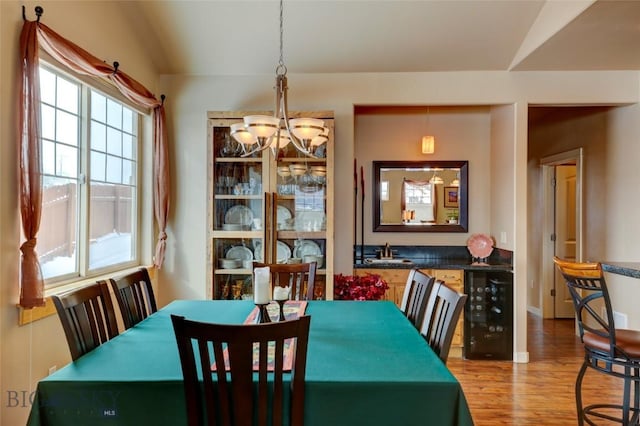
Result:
[{"x": 238, "y": 179}]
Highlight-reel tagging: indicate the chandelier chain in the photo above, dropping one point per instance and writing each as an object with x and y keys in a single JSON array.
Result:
[{"x": 281, "y": 69}]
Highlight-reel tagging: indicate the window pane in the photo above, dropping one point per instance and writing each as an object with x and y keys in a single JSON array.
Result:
[
  {"x": 98, "y": 166},
  {"x": 48, "y": 157},
  {"x": 66, "y": 128},
  {"x": 127, "y": 120},
  {"x": 112, "y": 226},
  {"x": 114, "y": 141},
  {"x": 127, "y": 146},
  {"x": 114, "y": 169},
  {"x": 47, "y": 87},
  {"x": 67, "y": 96},
  {"x": 98, "y": 136},
  {"x": 128, "y": 172},
  {"x": 57, "y": 236},
  {"x": 98, "y": 107},
  {"x": 110, "y": 211},
  {"x": 66, "y": 161},
  {"x": 114, "y": 114},
  {"x": 48, "y": 122}
]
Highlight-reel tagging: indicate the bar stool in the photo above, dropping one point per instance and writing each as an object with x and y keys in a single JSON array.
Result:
[{"x": 609, "y": 350}]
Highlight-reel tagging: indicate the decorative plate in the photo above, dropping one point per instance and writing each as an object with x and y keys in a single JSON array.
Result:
[
  {"x": 240, "y": 253},
  {"x": 239, "y": 214},
  {"x": 306, "y": 247},
  {"x": 257, "y": 250},
  {"x": 282, "y": 214},
  {"x": 283, "y": 252},
  {"x": 480, "y": 245}
]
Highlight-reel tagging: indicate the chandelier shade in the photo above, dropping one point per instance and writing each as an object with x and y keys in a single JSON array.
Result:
[
  {"x": 262, "y": 126},
  {"x": 242, "y": 135}
]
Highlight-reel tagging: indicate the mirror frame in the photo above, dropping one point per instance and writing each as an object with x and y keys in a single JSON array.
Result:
[{"x": 463, "y": 198}]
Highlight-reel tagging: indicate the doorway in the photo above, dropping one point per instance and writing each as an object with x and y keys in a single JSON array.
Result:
[{"x": 562, "y": 233}]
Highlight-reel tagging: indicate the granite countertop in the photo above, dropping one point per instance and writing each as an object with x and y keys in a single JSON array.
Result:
[
  {"x": 628, "y": 269},
  {"x": 462, "y": 263}
]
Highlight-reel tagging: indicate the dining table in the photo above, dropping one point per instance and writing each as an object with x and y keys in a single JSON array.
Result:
[{"x": 366, "y": 365}]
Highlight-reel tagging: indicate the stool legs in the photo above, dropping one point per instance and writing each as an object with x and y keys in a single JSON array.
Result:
[{"x": 579, "y": 379}]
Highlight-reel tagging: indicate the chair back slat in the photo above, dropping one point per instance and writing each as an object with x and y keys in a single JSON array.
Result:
[
  {"x": 87, "y": 317},
  {"x": 416, "y": 295},
  {"x": 233, "y": 399},
  {"x": 300, "y": 277},
  {"x": 135, "y": 297},
  {"x": 442, "y": 314}
]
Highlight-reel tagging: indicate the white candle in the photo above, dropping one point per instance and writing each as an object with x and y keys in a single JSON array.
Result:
[
  {"x": 281, "y": 293},
  {"x": 261, "y": 293}
]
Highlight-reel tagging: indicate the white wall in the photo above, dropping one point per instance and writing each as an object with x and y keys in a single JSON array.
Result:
[
  {"x": 393, "y": 134},
  {"x": 27, "y": 352}
]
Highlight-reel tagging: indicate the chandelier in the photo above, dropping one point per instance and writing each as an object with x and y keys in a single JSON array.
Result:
[{"x": 258, "y": 132}]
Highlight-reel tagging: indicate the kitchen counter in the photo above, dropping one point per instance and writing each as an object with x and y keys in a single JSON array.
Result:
[
  {"x": 432, "y": 257},
  {"x": 628, "y": 269},
  {"x": 436, "y": 263}
]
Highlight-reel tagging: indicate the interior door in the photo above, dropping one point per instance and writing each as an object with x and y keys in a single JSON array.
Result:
[{"x": 565, "y": 233}]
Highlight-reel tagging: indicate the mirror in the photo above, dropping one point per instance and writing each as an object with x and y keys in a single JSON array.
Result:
[{"x": 420, "y": 196}]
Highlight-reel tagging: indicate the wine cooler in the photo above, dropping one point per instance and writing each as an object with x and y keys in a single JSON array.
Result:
[{"x": 488, "y": 325}]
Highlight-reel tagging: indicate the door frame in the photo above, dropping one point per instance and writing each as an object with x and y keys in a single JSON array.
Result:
[{"x": 548, "y": 246}]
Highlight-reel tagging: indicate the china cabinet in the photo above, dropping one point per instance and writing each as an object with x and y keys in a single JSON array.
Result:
[{"x": 270, "y": 207}]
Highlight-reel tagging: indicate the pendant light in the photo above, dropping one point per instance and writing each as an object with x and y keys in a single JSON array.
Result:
[{"x": 428, "y": 142}]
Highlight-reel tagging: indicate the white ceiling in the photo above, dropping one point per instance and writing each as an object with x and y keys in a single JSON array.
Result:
[{"x": 240, "y": 37}]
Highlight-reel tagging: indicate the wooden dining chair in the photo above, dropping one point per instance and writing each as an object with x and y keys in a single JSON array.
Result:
[
  {"x": 87, "y": 317},
  {"x": 415, "y": 296},
  {"x": 301, "y": 277},
  {"x": 233, "y": 398},
  {"x": 134, "y": 294},
  {"x": 609, "y": 350},
  {"x": 443, "y": 311}
]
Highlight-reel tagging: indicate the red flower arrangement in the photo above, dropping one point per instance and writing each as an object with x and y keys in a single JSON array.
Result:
[{"x": 350, "y": 287}]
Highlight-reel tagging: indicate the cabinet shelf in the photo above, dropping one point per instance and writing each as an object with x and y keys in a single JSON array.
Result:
[
  {"x": 304, "y": 235},
  {"x": 236, "y": 234},
  {"x": 238, "y": 197},
  {"x": 238, "y": 160},
  {"x": 302, "y": 160}
]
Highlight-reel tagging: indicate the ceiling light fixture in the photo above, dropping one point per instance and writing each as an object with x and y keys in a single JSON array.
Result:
[
  {"x": 428, "y": 142},
  {"x": 259, "y": 132},
  {"x": 435, "y": 179}
]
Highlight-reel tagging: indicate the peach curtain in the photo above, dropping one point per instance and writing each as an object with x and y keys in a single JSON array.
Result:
[{"x": 34, "y": 35}]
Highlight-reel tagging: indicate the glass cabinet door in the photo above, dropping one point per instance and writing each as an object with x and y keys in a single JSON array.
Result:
[{"x": 272, "y": 207}]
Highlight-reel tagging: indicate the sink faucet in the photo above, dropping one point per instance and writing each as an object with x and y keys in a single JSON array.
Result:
[{"x": 387, "y": 253}]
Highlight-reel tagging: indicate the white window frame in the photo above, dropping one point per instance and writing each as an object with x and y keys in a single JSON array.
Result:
[{"x": 139, "y": 225}]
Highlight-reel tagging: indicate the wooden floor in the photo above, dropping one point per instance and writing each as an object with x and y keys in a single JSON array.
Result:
[{"x": 540, "y": 392}]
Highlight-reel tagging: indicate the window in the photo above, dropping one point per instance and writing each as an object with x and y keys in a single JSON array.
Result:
[
  {"x": 384, "y": 190},
  {"x": 419, "y": 200},
  {"x": 90, "y": 186}
]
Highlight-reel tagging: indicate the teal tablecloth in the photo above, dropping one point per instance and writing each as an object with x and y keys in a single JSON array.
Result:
[{"x": 366, "y": 365}]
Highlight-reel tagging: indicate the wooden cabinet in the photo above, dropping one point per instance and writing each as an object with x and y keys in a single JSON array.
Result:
[
  {"x": 397, "y": 280},
  {"x": 270, "y": 207},
  {"x": 454, "y": 278}
]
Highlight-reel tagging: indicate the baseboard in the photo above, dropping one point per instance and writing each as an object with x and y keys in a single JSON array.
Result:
[
  {"x": 521, "y": 357},
  {"x": 534, "y": 310}
]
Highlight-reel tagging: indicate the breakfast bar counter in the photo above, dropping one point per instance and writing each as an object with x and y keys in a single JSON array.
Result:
[{"x": 628, "y": 269}]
